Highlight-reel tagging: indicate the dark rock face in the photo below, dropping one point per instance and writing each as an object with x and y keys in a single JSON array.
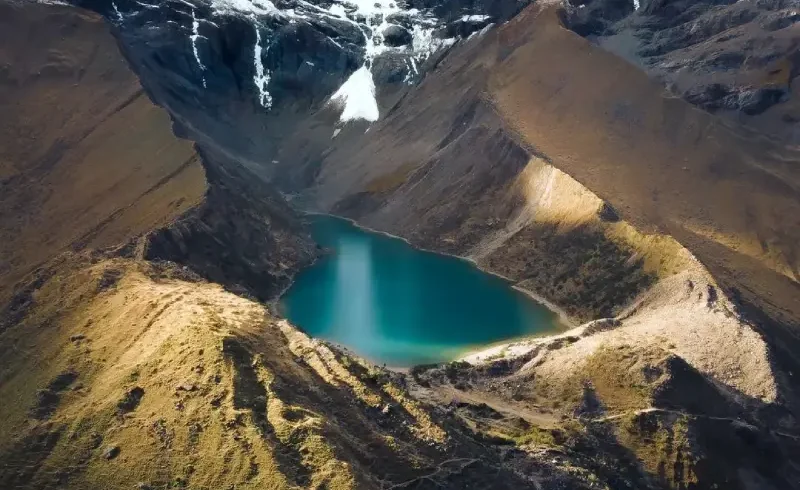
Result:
[
  {"x": 465, "y": 26},
  {"x": 47, "y": 399},
  {"x": 242, "y": 77},
  {"x": 756, "y": 101},
  {"x": 738, "y": 58},
  {"x": 243, "y": 236},
  {"x": 394, "y": 35},
  {"x": 750, "y": 101},
  {"x": 131, "y": 399}
]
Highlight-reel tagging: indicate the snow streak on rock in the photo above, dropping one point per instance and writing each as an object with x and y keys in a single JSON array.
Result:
[
  {"x": 194, "y": 37},
  {"x": 117, "y": 12},
  {"x": 475, "y": 18},
  {"x": 261, "y": 78},
  {"x": 51, "y": 2},
  {"x": 404, "y": 36}
]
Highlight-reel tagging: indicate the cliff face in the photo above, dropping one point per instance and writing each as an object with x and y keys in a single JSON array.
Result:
[
  {"x": 242, "y": 235},
  {"x": 263, "y": 81},
  {"x": 734, "y": 59}
]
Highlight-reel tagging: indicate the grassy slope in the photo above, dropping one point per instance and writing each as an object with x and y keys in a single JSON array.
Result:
[
  {"x": 86, "y": 159},
  {"x": 192, "y": 384}
]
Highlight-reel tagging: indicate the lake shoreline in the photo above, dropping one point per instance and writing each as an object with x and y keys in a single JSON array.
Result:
[{"x": 565, "y": 321}]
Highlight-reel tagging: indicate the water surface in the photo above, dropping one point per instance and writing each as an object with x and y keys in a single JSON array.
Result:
[{"x": 394, "y": 304}]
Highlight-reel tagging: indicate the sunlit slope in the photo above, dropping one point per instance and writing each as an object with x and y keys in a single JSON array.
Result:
[
  {"x": 140, "y": 374},
  {"x": 731, "y": 197}
]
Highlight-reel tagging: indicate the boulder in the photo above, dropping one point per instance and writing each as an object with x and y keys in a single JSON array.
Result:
[{"x": 394, "y": 35}]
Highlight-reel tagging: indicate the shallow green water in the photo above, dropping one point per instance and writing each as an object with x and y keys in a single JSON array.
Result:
[{"x": 394, "y": 304}]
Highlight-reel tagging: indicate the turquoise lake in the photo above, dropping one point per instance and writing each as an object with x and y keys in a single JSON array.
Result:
[{"x": 391, "y": 303}]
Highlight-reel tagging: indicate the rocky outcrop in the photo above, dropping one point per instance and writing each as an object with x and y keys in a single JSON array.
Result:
[
  {"x": 737, "y": 59},
  {"x": 243, "y": 235}
]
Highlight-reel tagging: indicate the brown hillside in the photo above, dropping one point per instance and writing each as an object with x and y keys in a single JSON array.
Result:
[
  {"x": 531, "y": 87},
  {"x": 731, "y": 197},
  {"x": 125, "y": 374},
  {"x": 85, "y": 158},
  {"x": 123, "y": 370}
]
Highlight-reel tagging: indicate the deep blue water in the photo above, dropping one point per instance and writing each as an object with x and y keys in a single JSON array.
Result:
[{"x": 394, "y": 304}]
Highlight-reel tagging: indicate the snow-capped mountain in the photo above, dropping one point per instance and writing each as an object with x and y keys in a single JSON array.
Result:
[
  {"x": 274, "y": 83},
  {"x": 321, "y": 52}
]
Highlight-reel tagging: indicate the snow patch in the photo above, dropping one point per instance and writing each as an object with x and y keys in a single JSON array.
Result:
[
  {"x": 357, "y": 97},
  {"x": 252, "y": 7},
  {"x": 481, "y": 32},
  {"x": 635, "y": 4},
  {"x": 261, "y": 77},
  {"x": 475, "y": 18},
  {"x": 120, "y": 18},
  {"x": 194, "y": 37},
  {"x": 338, "y": 10},
  {"x": 424, "y": 44}
]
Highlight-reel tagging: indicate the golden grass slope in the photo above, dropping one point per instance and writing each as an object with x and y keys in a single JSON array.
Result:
[{"x": 123, "y": 373}]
